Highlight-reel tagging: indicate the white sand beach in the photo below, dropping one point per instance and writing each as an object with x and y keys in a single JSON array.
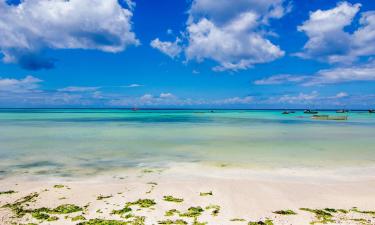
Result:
[{"x": 239, "y": 196}]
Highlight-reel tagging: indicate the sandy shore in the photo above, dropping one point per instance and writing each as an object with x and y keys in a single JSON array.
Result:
[{"x": 227, "y": 195}]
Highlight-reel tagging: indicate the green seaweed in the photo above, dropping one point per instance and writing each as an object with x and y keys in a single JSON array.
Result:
[
  {"x": 172, "y": 212},
  {"x": 192, "y": 212},
  {"x": 215, "y": 211},
  {"x": 362, "y": 221},
  {"x": 170, "y": 198},
  {"x": 237, "y": 220},
  {"x": 53, "y": 218},
  {"x": 285, "y": 212},
  {"x": 196, "y": 222},
  {"x": 101, "y": 197},
  {"x": 59, "y": 186},
  {"x": 266, "y": 222},
  {"x": 40, "y": 215},
  {"x": 178, "y": 221},
  {"x": 65, "y": 209},
  {"x": 122, "y": 211},
  {"x": 17, "y": 207},
  {"x": 143, "y": 203},
  {"x": 79, "y": 217},
  {"x": 7, "y": 192},
  {"x": 205, "y": 193},
  {"x": 321, "y": 215},
  {"x": 103, "y": 222},
  {"x": 355, "y": 209}
]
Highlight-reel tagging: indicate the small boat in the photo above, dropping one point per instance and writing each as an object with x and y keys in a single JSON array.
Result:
[
  {"x": 308, "y": 111},
  {"x": 342, "y": 111},
  {"x": 327, "y": 117},
  {"x": 371, "y": 111},
  {"x": 288, "y": 112}
]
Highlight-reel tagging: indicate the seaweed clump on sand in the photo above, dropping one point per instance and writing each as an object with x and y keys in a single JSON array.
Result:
[
  {"x": 266, "y": 222},
  {"x": 143, "y": 203},
  {"x": 192, "y": 212},
  {"x": 171, "y": 212},
  {"x": 285, "y": 212},
  {"x": 355, "y": 209},
  {"x": 58, "y": 186},
  {"x": 101, "y": 197},
  {"x": 206, "y": 193},
  {"x": 215, "y": 209},
  {"x": 237, "y": 220},
  {"x": 170, "y": 198},
  {"x": 321, "y": 215},
  {"x": 103, "y": 222},
  {"x": 196, "y": 222},
  {"x": 18, "y": 208},
  {"x": 78, "y": 218},
  {"x": 178, "y": 222},
  {"x": 7, "y": 192}
]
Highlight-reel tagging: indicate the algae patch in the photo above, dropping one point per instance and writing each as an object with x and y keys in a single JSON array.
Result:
[
  {"x": 170, "y": 198},
  {"x": 178, "y": 222},
  {"x": 215, "y": 209},
  {"x": 285, "y": 212},
  {"x": 192, "y": 212},
  {"x": 206, "y": 193},
  {"x": 7, "y": 192}
]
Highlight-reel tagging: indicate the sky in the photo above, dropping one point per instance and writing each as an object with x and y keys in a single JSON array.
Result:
[{"x": 187, "y": 53}]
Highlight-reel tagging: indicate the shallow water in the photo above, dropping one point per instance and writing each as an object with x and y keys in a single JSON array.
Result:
[{"x": 87, "y": 142}]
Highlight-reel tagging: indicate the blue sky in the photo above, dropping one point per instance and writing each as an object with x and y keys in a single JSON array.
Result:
[{"x": 187, "y": 54}]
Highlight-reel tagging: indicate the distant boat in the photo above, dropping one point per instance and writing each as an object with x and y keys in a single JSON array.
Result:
[
  {"x": 308, "y": 111},
  {"x": 288, "y": 112},
  {"x": 327, "y": 117},
  {"x": 371, "y": 111},
  {"x": 342, "y": 111}
]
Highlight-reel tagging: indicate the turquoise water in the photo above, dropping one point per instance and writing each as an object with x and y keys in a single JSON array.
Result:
[{"x": 87, "y": 142}]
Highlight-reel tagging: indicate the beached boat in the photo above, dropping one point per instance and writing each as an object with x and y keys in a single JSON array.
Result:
[
  {"x": 327, "y": 117},
  {"x": 308, "y": 111}
]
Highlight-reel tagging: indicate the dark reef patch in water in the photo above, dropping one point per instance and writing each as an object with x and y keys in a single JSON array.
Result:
[{"x": 38, "y": 164}]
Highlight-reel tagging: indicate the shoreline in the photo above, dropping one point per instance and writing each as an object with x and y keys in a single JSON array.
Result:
[{"x": 240, "y": 193}]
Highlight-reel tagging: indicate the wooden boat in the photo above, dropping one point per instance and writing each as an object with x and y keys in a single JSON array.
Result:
[
  {"x": 308, "y": 111},
  {"x": 327, "y": 117}
]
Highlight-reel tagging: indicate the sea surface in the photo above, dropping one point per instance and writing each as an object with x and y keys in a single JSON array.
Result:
[{"x": 72, "y": 142}]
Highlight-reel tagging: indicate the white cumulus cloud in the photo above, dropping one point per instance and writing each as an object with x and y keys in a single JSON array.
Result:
[
  {"x": 35, "y": 25},
  {"x": 232, "y": 35},
  {"x": 172, "y": 49},
  {"x": 27, "y": 84},
  {"x": 328, "y": 39}
]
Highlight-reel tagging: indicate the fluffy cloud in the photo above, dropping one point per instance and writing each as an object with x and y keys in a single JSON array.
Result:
[
  {"x": 133, "y": 85},
  {"x": 172, "y": 49},
  {"x": 341, "y": 74},
  {"x": 232, "y": 35},
  {"x": 35, "y": 25},
  {"x": 301, "y": 98},
  {"x": 27, "y": 84},
  {"x": 280, "y": 79},
  {"x": 328, "y": 39}
]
